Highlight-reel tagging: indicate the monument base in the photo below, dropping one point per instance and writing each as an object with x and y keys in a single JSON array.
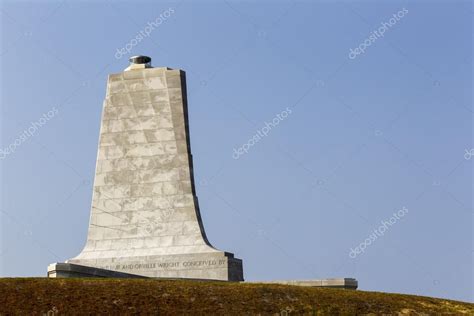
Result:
[
  {"x": 211, "y": 266},
  {"x": 342, "y": 283},
  {"x": 69, "y": 270}
]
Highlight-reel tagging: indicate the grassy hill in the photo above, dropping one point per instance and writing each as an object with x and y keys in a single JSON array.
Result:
[{"x": 41, "y": 296}]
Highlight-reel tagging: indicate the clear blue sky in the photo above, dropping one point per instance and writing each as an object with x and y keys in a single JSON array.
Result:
[{"x": 367, "y": 136}]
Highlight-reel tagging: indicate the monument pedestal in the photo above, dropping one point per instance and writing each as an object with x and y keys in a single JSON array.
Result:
[{"x": 212, "y": 266}]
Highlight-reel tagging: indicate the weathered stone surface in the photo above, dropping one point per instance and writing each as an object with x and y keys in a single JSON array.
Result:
[{"x": 145, "y": 215}]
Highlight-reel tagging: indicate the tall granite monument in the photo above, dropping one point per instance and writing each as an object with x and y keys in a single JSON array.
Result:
[{"x": 145, "y": 218}]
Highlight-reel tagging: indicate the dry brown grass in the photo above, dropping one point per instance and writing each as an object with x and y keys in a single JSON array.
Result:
[{"x": 40, "y": 296}]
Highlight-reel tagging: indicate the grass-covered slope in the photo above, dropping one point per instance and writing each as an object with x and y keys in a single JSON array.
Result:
[{"x": 40, "y": 296}]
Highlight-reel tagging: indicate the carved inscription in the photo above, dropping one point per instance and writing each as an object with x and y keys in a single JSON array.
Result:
[{"x": 175, "y": 265}]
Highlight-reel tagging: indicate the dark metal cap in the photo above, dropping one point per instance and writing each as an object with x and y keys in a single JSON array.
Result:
[{"x": 140, "y": 60}]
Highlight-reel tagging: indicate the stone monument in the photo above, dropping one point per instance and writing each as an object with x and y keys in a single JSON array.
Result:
[{"x": 145, "y": 219}]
